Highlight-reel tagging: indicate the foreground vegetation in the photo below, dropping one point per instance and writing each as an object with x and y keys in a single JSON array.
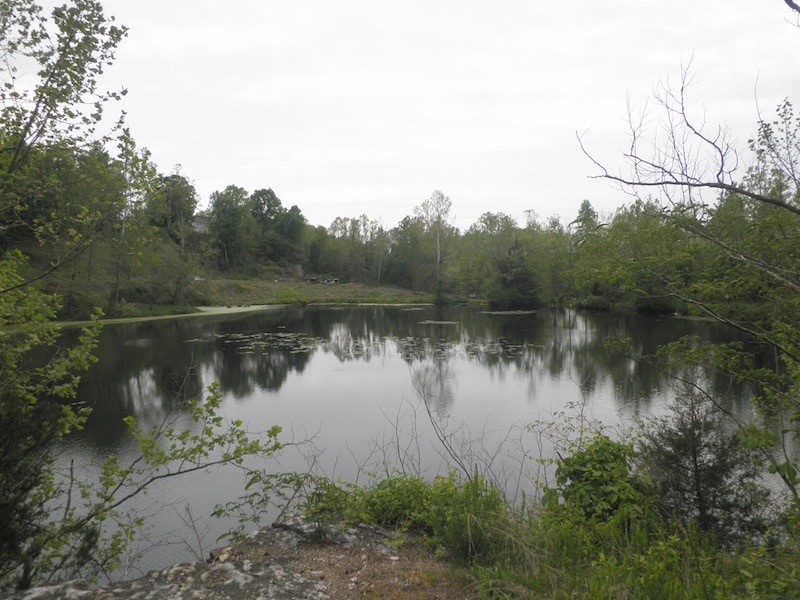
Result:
[{"x": 603, "y": 532}]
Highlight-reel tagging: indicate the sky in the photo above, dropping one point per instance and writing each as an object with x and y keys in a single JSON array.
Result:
[{"x": 367, "y": 106}]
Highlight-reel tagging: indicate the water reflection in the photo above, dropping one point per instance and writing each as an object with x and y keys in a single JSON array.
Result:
[
  {"x": 348, "y": 376},
  {"x": 146, "y": 369}
]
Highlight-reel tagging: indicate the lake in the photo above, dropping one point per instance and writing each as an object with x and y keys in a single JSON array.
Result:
[{"x": 357, "y": 383}]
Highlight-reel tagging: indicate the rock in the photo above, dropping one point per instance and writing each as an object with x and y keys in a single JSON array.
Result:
[
  {"x": 361, "y": 535},
  {"x": 259, "y": 567}
]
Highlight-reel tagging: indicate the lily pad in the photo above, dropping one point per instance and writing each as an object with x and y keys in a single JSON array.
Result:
[{"x": 429, "y": 322}]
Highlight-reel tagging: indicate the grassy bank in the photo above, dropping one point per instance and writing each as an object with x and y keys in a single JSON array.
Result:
[
  {"x": 229, "y": 292},
  {"x": 235, "y": 292}
]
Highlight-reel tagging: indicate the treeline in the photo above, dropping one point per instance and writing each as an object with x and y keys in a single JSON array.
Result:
[
  {"x": 107, "y": 229},
  {"x": 646, "y": 256},
  {"x": 113, "y": 232}
]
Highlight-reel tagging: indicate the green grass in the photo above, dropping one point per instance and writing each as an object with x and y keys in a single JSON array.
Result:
[
  {"x": 234, "y": 294},
  {"x": 237, "y": 292}
]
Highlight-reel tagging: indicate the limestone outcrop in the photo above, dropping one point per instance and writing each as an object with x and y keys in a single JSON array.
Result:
[{"x": 265, "y": 566}]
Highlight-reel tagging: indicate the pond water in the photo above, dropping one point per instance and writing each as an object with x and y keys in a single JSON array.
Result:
[{"x": 356, "y": 382}]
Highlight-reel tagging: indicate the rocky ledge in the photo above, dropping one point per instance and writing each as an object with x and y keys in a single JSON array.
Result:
[{"x": 293, "y": 559}]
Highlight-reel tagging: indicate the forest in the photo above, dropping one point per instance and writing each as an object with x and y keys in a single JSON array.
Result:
[
  {"x": 124, "y": 248},
  {"x": 91, "y": 226}
]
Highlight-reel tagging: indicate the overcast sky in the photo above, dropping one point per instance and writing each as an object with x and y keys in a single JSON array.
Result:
[{"x": 368, "y": 106}]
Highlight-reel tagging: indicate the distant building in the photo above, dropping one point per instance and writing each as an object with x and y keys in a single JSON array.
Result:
[{"x": 200, "y": 223}]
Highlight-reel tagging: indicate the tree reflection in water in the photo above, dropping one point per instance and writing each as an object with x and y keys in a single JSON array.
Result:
[
  {"x": 346, "y": 374},
  {"x": 147, "y": 368}
]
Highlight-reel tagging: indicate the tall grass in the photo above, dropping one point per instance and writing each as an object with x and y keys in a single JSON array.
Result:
[{"x": 559, "y": 549}]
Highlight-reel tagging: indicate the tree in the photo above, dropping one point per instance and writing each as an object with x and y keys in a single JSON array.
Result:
[
  {"x": 47, "y": 146},
  {"x": 357, "y": 247},
  {"x": 317, "y": 249},
  {"x": 60, "y": 185},
  {"x": 138, "y": 172},
  {"x": 692, "y": 160},
  {"x": 752, "y": 226},
  {"x": 638, "y": 258},
  {"x": 289, "y": 228},
  {"x": 586, "y": 224},
  {"x": 516, "y": 284},
  {"x": 381, "y": 246},
  {"x": 34, "y": 413},
  {"x": 266, "y": 209},
  {"x": 406, "y": 264},
  {"x": 435, "y": 215},
  {"x": 55, "y": 525},
  {"x": 58, "y": 107},
  {"x": 554, "y": 260},
  {"x": 230, "y": 226},
  {"x": 702, "y": 473},
  {"x": 52, "y": 105},
  {"x": 47, "y": 127},
  {"x": 171, "y": 205},
  {"x": 483, "y": 245},
  {"x": 255, "y": 227}
]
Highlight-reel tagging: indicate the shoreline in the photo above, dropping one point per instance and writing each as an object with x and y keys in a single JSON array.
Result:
[{"x": 207, "y": 311}]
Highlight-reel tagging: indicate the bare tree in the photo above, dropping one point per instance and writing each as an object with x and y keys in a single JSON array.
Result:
[
  {"x": 435, "y": 214},
  {"x": 683, "y": 156}
]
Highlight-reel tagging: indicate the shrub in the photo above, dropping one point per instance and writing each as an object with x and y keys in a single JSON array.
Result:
[
  {"x": 703, "y": 475},
  {"x": 328, "y": 502},
  {"x": 401, "y": 501},
  {"x": 597, "y": 480},
  {"x": 465, "y": 517},
  {"x": 461, "y": 517}
]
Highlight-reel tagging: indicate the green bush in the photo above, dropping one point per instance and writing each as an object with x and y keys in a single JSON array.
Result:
[
  {"x": 328, "y": 502},
  {"x": 461, "y": 517},
  {"x": 402, "y": 501},
  {"x": 597, "y": 480},
  {"x": 702, "y": 473}
]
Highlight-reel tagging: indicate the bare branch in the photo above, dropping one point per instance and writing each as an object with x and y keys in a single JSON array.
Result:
[
  {"x": 684, "y": 157},
  {"x": 728, "y": 187}
]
